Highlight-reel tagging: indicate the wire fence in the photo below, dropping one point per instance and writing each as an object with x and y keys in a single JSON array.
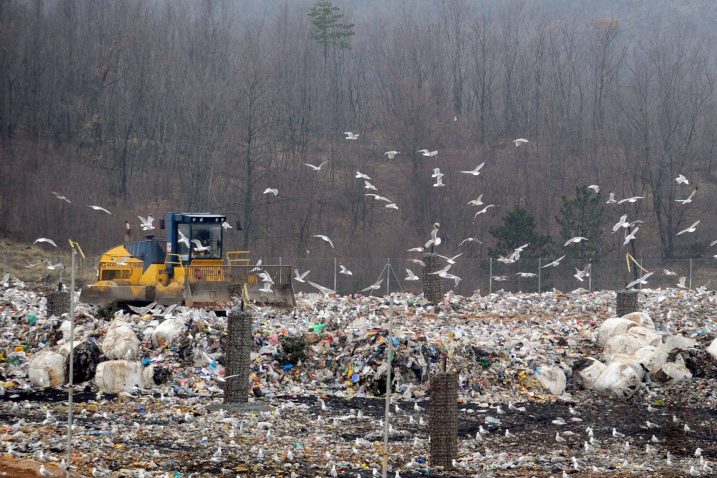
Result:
[{"x": 489, "y": 275}]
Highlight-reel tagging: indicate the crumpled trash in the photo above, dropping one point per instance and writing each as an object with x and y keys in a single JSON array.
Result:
[{"x": 553, "y": 378}]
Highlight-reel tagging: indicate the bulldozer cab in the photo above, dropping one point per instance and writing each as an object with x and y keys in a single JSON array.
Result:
[{"x": 195, "y": 236}]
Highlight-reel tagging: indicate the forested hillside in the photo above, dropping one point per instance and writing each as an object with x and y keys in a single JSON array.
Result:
[{"x": 144, "y": 107}]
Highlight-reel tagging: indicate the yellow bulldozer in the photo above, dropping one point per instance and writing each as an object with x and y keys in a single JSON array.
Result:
[{"x": 187, "y": 267}]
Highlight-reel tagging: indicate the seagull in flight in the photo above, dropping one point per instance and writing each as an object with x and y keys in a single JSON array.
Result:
[
  {"x": 99, "y": 208},
  {"x": 427, "y": 153},
  {"x": 621, "y": 223},
  {"x": 350, "y": 135},
  {"x": 595, "y": 188},
  {"x": 415, "y": 249},
  {"x": 681, "y": 179},
  {"x": 692, "y": 228},
  {"x": 322, "y": 289},
  {"x": 411, "y": 276},
  {"x": 434, "y": 240},
  {"x": 631, "y": 200},
  {"x": 418, "y": 261},
  {"x": 642, "y": 280},
  {"x": 476, "y": 202},
  {"x": 575, "y": 240},
  {"x": 526, "y": 274},
  {"x": 681, "y": 283},
  {"x": 226, "y": 225},
  {"x": 555, "y": 263},
  {"x": 378, "y": 198},
  {"x": 300, "y": 277},
  {"x": 273, "y": 191},
  {"x": 50, "y": 266},
  {"x": 611, "y": 199},
  {"x": 515, "y": 256},
  {"x": 450, "y": 260},
  {"x": 44, "y": 239},
  {"x": 520, "y": 141},
  {"x": 325, "y": 238},
  {"x": 391, "y": 154},
  {"x": 314, "y": 167},
  {"x": 469, "y": 239},
  {"x": 631, "y": 236},
  {"x": 199, "y": 247},
  {"x": 668, "y": 272},
  {"x": 375, "y": 286},
  {"x": 360, "y": 175},
  {"x": 391, "y": 206},
  {"x": 476, "y": 170},
  {"x": 61, "y": 197},
  {"x": 582, "y": 274},
  {"x": 484, "y": 210},
  {"x": 437, "y": 174},
  {"x": 345, "y": 271},
  {"x": 500, "y": 278},
  {"x": 146, "y": 223},
  {"x": 183, "y": 240},
  {"x": 369, "y": 186},
  {"x": 689, "y": 198}
]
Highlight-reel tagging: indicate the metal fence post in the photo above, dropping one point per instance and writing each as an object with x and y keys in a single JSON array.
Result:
[
  {"x": 281, "y": 281},
  {"x": 334, "y": 273},
  {"x": 690, "y": 273},
  {"x": 590, "y": 276},
  {"x": 490, "y": 276},
  {"x": 540, "y": 259}
]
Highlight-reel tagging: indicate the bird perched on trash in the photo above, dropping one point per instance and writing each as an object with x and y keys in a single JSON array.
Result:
[
  {"x": 558, "y": 438},
  {"x": 617, "y": 434}
]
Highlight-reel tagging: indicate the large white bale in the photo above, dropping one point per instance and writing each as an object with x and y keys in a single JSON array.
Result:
[
  {"x": 652, "y": 358},
  {"x": 621, "y": 378},
  {"x": 679, "y": 342},
  {"x": 648, "y": 335},
  {"x": 624, "y": 344},
  {"x": 115, "y": 376},
  {"x": 677, "y": 370},
  {"x": 47, "y": 369},
  {"x": 167, "y": 331},
  {"x": 612, "y": 327},
  {"x": 640, "y": 318},
  {"x": 589, "y": 374},
  {"x": 120, "y": 343},
  {"x": 712, "y": 349},
  {"x": 552, "y": 378}
]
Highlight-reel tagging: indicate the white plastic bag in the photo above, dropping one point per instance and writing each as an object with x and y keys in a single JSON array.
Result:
[
  {"x": 120, "y": 343},
  {"x": 115, "y": 376},
  {"x": 552, "y": 378},
  {"x": 612, "y": 327},
  {"x": 47, "y": 369},
  {"x": 621, "y": 378}
]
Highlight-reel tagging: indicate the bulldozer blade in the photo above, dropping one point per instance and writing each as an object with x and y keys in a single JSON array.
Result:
[
  {"x": 104, "y": 294},
  {"x": 280, "y": 295}
]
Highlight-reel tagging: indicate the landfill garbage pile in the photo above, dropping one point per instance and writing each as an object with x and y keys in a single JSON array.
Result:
[{"x": 148, "y": 375}]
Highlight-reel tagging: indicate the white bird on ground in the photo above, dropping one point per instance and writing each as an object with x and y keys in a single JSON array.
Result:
[
  {"x": 322, "y": 289},
  {"x": 520, "y": 141},
  {"x": 199, "y": 247},
  {"x": 681, "y": 179},
  {"x": 555, "y": 263},
  {"x": 44, "y": 471},
  {"x": 651, "y": 425},
  {"x": 689, "y": 198},
  {"x": 375, "y": 286},
  {"x": 686, "y": 428},
  {"x": 642, "y": 280},
  {"x": 344, "y": 270},
  {"x": 369, "y": 186},
  {"x": 681, "y": 283},
  {"x": 350, "y": 135},
  {"x": 183, "y": 240},
  {"x": 314, "y": 167},
  {"x": 411, "y": 276},
  {"x": 475, "y": 171},
  {"x": 469, "y": 239},
  {"x": 325, "y": 238},
  {"x": 146, "y": 223},
  {"x": 427, "y": 153},
  {"x": 693, "y": 471},
  {"x": 99, "y": 208},
  {"x": 631, "y": 200},
  {"x": 611, "y": 199},
  {"x": 391, "y": 154},
  {"x": 300, "y": 277},
  {"x": 46, "y": 240},
  {"x": 484, "y": 210},
  {"x": 575, "y": 240},
  {"x": 668, "y": 272},
  {"x": 514, "y": 408},
  {"x": 526, "y": 275},
  {"x": 273, "y": 191},
  {"x": 692, "y": 228},
  {"x": 378, "y": 197},
  {"x": 631, "y": 236},
  {"x": 698, "y": 452},
  {"x": 558, "y": 438},
  {"x": 508, "y": 434},
  {"x": 595, "y": 188},
  {"x": 61, "y": 197},
  {"x": 333, "y": 471},
  {"x": 360, "y": 175},
  {"x": 476, "y": 202}
]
